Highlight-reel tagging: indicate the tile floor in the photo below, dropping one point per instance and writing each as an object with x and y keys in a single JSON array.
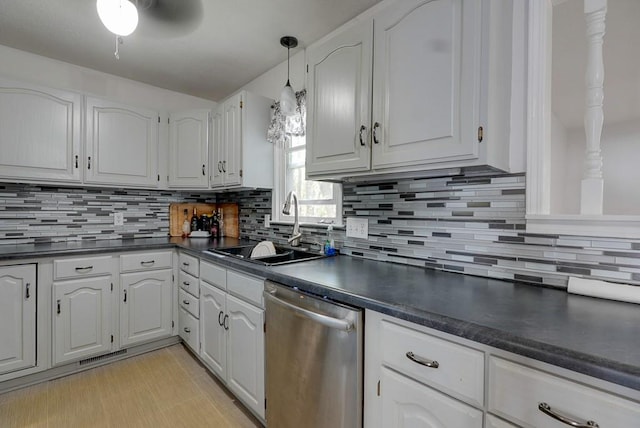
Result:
[{"x": 164, "y": 388}]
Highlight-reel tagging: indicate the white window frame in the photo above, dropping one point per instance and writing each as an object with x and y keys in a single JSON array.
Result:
[{"x": 280, "y": 193}]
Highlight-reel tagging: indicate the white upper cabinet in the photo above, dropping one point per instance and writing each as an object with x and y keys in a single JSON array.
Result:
[
  {"x": 188, "y": 146},
  {"x": 241, "y": 155},
  {"x": 121, "y": 145},
  {"x": 425, "y": 78},
  {"x": 339, "y": 101},
  {"x": 440, "y": 73},
  {"x": 39, "y": 133}
]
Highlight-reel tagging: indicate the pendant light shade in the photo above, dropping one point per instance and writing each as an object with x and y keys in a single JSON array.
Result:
[
  {"x": 119, "y": 16},
  {"x": 288, "y": 101}
]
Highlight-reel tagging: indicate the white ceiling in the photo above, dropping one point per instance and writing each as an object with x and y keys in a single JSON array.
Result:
[
  {"x": 221, "y": 47},
  {"x": 621, "y": 62}
]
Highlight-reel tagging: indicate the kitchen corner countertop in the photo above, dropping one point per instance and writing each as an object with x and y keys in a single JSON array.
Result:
[{"x": 595, "y": 337}]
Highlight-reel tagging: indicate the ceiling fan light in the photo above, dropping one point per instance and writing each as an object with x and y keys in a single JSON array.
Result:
[
  {"x": 288, "y": 101},
  {"x": 119, "y": 16}
]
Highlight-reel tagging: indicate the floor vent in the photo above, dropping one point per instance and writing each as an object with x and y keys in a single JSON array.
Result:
[{"x": 102, "y": 357}]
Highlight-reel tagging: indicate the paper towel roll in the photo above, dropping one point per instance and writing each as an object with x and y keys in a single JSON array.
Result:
[{"x": 604, "y": 290}]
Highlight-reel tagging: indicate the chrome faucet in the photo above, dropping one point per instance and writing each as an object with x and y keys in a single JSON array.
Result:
[{"x": 286, "y": 209}]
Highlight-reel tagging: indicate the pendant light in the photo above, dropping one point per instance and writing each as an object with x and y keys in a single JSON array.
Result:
[{"x": 288, "y": 101}]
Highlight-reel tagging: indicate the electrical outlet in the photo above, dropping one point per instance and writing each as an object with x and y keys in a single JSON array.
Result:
[
  {"x": 357, "y": 227},
  {"x": 267, "y": 220},
  {"x": 118, "y": 219}
]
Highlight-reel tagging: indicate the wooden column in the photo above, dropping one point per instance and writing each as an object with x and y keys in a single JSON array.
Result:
[{"x": 591, "y": 200}]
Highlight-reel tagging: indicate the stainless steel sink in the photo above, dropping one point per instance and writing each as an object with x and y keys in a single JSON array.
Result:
[{"x": 283, "y": 255}]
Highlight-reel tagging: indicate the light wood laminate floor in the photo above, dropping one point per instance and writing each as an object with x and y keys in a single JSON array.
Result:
[{"x": 164, "y": 388}]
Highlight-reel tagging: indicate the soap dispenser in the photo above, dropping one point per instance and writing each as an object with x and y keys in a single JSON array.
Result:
[{"x": 329, "y": 245}]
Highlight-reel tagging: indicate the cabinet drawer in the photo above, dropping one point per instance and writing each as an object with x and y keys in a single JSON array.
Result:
[
  {"x": 146, "y": 261},
  {"x": 509, "y": 398},
  {"x": 189, "y": 283},
  {"x": 459, "y": 372},
  {"x": 85, "y": 266},
  {"x": 189, "y": 302},
  {"x": 246, "y": 287},
  {"x": 214, "y": 275},
  {"x": 189, "y": 264},
  {"x": 189, "y": 331}
]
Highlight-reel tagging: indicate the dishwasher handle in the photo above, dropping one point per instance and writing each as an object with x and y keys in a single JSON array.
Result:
[{"x": 327, "y": 321}]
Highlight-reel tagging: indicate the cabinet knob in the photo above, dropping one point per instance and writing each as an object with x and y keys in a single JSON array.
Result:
[
  {"x": 225, "y": 322},
  {"x": 147, "y": 263},
  {"x": 89, "y": 163},
  {"x": 224, "y": 166},
  {"x": 76, "y": 161},
  {"x": 125, "y": 296},
  {"x": 187, "y": 330},
  {"x": 58, "y": 305},
  {"x": 186, "y": 302},
  {"x": 220, "y": 320},
  {"x": 219, "y": 166},
  {"x": 27, "y": 294},
  {"x": 203, "y": 173},
  {"x": 83, "y": 269}
]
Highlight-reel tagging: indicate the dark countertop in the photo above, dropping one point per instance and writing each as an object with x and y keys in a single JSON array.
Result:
[{"x": 596, "y": 337}]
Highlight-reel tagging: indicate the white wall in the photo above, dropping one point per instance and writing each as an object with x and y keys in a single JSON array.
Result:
[
  {"x": 620, "y": 146},
  {"x": 30, "y": 68}
]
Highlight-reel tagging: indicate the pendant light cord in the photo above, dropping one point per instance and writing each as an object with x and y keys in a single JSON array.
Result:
[{"x": 288, "y": 49}]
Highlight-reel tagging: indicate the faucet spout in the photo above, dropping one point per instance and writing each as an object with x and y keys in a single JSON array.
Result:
[{"x": 294, "y": 240}]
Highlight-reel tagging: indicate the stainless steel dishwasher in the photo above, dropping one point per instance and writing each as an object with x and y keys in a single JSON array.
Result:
[{"x": 314, "y": 361}]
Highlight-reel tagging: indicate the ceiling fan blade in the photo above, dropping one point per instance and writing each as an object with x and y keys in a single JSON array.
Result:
[{"x": 169, "y": 18}]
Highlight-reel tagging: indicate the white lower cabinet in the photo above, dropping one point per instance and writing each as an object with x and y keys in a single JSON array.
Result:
[
  {"x": 419, "y": 377},
  {"x": 145, "y": 308},
  {"x": 17, "y": 317},
  {"x": 232, "y": 332},
  {"x": 534, "y": 398},
  {"x": 82, "y": 310},
  {"x": 408, "y": 404},
  {"x": 188, "y": 323},
  {"x": 412, "y": 377}
]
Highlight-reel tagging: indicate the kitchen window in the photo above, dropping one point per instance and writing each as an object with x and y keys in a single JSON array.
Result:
[{"x": 319, "y": 202}]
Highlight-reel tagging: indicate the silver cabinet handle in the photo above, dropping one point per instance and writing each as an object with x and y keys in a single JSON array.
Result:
[
  {"x": 219, "y": 166},
  {"x": 76, "y": 161},
  {"x": 225, "y": 322},
  {"x": 27, "y": 294},
  {"x": 187, "y": 330},
  {"x": 363, "y": 129},
  {"x": 125, "y": 296},
  {"x": 224, "y": 166},
  {"x": 203, "y": 173},
  {"x": 422, "y": 361},
  {"x": 84, "y": 269},
  {"x": 58, "y": 305},
  {"x": 147, "y": 263},
  {"x": 89, "y": 163},
  {"x": 219, "y": 321},
  {"x": 375, "y": 133},
  {"x": 327, "y": 321},
  {"x": 546, "y": 409},
  {"x": 186, "y": 302}
]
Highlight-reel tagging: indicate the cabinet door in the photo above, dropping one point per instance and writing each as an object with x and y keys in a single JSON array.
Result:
[
  {"x": 231, "y": 162},
  {"x": 188, "y": 145},
  {"x": 145, "y": 308},
  {"x": 17, "y": 317},
  {"x": 81, "y": 318},
  {"x": 339, "y": 102},
  {"x": 245, "y": 355},
  {"x": 213, "y": 336},
  {"x": 121, "y": 144},
  {"x": 406, "y": 403},
  {"x": 217, "y": 152},
  {"x": 426, "y": 73},
  {"x": 39, "y": 133}
]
